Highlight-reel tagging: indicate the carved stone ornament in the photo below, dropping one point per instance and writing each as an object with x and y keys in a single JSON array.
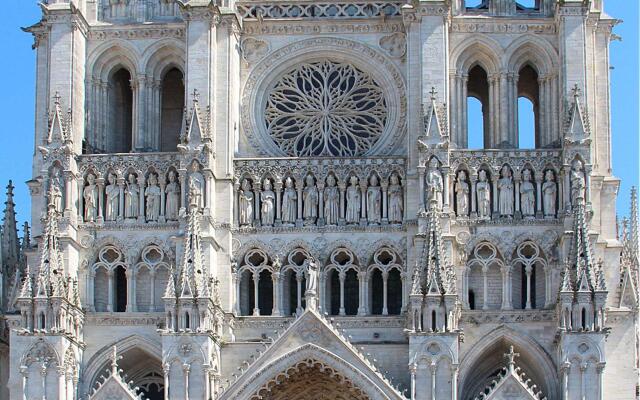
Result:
[
  {"x": 254, "y": 49},
  {"x": 395, "y": 45}
]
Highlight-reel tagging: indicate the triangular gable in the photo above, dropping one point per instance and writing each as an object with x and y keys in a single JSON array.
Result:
[
  {"x": 628, "y": 294},
  {"x": 113, "y": 388},
  {"x": 311, "y": 337},
  {"x": 510, "y": 388}
]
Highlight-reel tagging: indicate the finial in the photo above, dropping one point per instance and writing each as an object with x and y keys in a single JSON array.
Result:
[
  {"x": 576, "y": 91},
  {"x": 56, "y": 98},
  {"x": 433, "y": 93},
  {"x": 10, "y": 188},
  {"x": 195, "y": 95},
  {"x": 511, "y": 356},
  {"x": 114, "y": 360}
]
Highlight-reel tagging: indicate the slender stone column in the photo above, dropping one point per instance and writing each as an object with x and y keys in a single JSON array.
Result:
[
  {"x": 342, "y": 187},
  {"x": 320, "y": 202},
  {"x": 516, "y": 185},
  {"x": 278, "y": 189},
  {"x": 43, "y": 372},
  {"x": 166, "y": 368},
  {"x": 434, "y": 368},
  {"x": 464, "y": 139},
  {"x": 121, "y": 183},
  {"x": 385, "y": 278},
  {"x": 80, "y": 183},
  {"x": 342, "y": 277},
  {"x": 186, "y": 368},
  {"x": 474, "y": 181},
  {"x": 256, "y": 280},
  {"x": 110, "y": 294},
  {"x": 299, "y": 187},
  {"x": 421, "y": 175},
  {"x": 385, "y": 214},
  {"x": 100, "y": 184},
  {"x": 152, "y": 300},
  {"x": 495, "y": 195},
  {"x": 363, "y": 202},
  {"x": 362, "y": 281},
  {"x": 24, "y": 371},
  {"x": 539, "y": 176},
  {"x": 236, "y": 284},
  {"x": 131, "y": 291},
  {"x": 506, "y": 288},
  {"x": 528, "y": 270},
  {"x": 454, "y": 382},
  {"x": 276, "y": 278},
  {"x": 256, "y": 198},
  {"x": 162, "y": 181},
  {"x": 141, "y": 186},
  {"x": 299, "y": 292},
  {"x": 485, "y": 303}
]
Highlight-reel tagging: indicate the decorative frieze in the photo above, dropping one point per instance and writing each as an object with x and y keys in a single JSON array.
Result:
[
  {"x": 137, "y": 33},
  {"x": 308, "y": 28},
  {"x": 316, "y": 10},
  {"x": 547, "y": 28}
]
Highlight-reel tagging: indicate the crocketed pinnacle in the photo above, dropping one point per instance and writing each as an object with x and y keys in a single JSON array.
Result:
[
  {"x": 433, "y": 275},
  {"x": 10, "y": 243},
  {"x": 50, "y": 274},
  {"x": 193, "y": 278}
]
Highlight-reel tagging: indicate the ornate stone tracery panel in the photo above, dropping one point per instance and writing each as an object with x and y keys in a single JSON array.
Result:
[
  {"x": 325, "y": 108},
  {"x": 369, "y": 92}
]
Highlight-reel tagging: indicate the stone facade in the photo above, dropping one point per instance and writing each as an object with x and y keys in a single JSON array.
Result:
[{"x": 277, "y": 199}]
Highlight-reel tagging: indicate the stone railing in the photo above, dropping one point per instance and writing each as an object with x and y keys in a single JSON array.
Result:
[
  {"x": 507, "y": 184},
  {"x": 146, "y": 188},
  {"x": 250, "y": 9},
  {"x": 319, "y": 192}
]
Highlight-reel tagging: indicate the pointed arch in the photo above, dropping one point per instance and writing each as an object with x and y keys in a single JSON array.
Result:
[
  {"x": 480, "y": 50},
  {"x": 539, "y": 364},
  {"x": 275, "y": 370}
]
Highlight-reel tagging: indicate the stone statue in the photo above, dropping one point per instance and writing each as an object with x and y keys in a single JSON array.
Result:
[
  {"x": 131, "y": 198},
  {"x": 56, "y": 192},
  {"x": 396, "y": 203},
  {"x": 90, "y": 195},
  {"x": 112, "y": 192},
  {"x": 578, "y": 183},
  {"x": 549, "y": 193},
  {"x": 152, "y": 194},
  {"x": 311, "y": 294},
  {"x": 310, "y": 197},
  {"x": 462, "y": 194},
  {"x": 527, "y": 195},
  {"x": 374, "y": 200},
  {"x": 483, "y": 193},
  {"x": 353, "y": 201},
  {"x": 197, "y": 178},
  {"x": 505, "y": 193},
  {"x": 245, "y": 200},
  {"x": 268, "y": 201},
  {"x": 435, "y": 183},
  {"x": 196, "y": 187},
  {"x": 331, "y": 202},
  {"x": 289, "y": 202},
  {"x": 172, "y": 198}
]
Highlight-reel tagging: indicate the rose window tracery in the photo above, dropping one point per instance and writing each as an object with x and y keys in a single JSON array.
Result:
[{"x": 325, "y": 108}]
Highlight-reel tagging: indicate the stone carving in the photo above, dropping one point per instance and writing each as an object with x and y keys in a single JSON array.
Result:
[
  {"x": 267, "y": 201},
  {"x": 396, "y": 200},
  {"x": 112, "y": 192},
  {"x": 56, "y": 192},
  {"x": 310, "y": 198},
  {"x": 374, "y": 200},
  {"x": 578, "y": 183},
  {"x": 331, "y": 202},
  {"x": 395, "y": 45},
  {"x": 317, "y": 10},
  {"x": 527, "y": 195},
  {"x": 152, "y": 195},
  {"x": 435, "y": 183},
  {"x": 505, "y": 193},
  {"x": 352, "y": 214},
  {"x": 172, "y": 198},
  {"x": 311, "y": 109},
  {"x": 289, "y": 202},
  {"x": 549, "y": 193},
  {"x": 131, "y": 198},
  {"x": 90, "y": 197},
  {"x": 462, "y": 194},
  {"x": 254, "y": 49},
  {"x": 197, "y": 179},
  {"x": 245, "y": 200},
  {"x": 483, "y": 193}
]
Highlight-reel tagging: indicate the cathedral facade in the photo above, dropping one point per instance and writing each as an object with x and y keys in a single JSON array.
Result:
[{"x": 288, "y": 199}]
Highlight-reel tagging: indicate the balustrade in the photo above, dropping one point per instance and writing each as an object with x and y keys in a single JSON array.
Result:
[{"x": 138, "y": 10}]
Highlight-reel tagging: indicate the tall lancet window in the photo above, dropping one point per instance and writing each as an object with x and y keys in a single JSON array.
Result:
[
  {"x": 172, "y": 109},
  {"x": 120, "y": 134}
]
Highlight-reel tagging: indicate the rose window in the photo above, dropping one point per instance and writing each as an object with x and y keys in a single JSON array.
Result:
[{"x": 325, "y": 108}]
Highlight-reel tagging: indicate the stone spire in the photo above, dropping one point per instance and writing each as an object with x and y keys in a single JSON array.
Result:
[
  {"x": 193, "y": 278},
  {"x": 195, "y": 128},
  {"x": 10, "y": 243},
  {"x": 583, "y": 291},
  {"x": 433, "y": 288},
  {"x": 577, "y": 129},
  {"x": 50, "y": 273},
  {"x": 59, "y": 124},
  {"x": 634, "y": 239}
]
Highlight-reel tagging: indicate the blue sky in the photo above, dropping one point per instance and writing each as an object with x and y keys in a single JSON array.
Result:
[{"x": 17, "y": 100}]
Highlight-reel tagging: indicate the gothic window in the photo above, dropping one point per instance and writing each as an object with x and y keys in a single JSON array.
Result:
[
  {"x": 528, "y": 277},
  {"x": 528, "y": 5},
  {"x": 152, "y": 274},
  {"x": 325, "y": 108},
  {"x": 294, "y": 282},
  {"x": 120, "y": 113},
  {"x": 476, "y": 4},
  {"x": 478, "y": 109},
  {"x": 255, "y": 285},
  {"x": 528, "y": 108},
  {"x": 484, "y": 277},
  {"x": 172, "y": 108},
  {"x": 342, "y": 293},
  {"x": 385, "y": 283},
  {"x": 109, "y": 291}
]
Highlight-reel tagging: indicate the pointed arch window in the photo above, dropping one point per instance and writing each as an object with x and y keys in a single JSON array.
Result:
[
  {"x": 109, "y": 290},
  {"x": 171, "y": 113},
  {"x": 528, "y": 108},
  {"x": 478, "y": 112}
]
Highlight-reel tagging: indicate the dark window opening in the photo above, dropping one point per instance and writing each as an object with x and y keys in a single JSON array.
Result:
[
  {"x": 265, "y": 293},
  {"x": 528, "y": 108},
  {"x": 434, "y": 325},
  {"x": 394, "y": 292},
  {"x": 351, "y": 293},
  {"x": 187, "y": 322},
  {"x": 120, "y": 289},
  {"x": 120, "y": 113},
  {"x": 246, "y": 295},
  {"x": 172, "y": 109},
  {"x": 377, "y": 292},
  {"x": 334, "y": 289},
  {"x": 472, "y": 300}
]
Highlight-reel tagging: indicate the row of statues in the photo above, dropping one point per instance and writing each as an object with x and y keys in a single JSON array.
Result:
[
  {"x": 353, "y": 203},
  {"x": 506, "y": 191},
  {"x": 135, "y": 200}
]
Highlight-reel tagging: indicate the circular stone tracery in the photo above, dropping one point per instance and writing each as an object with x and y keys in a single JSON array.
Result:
[{"x": 325, "y": 108}]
